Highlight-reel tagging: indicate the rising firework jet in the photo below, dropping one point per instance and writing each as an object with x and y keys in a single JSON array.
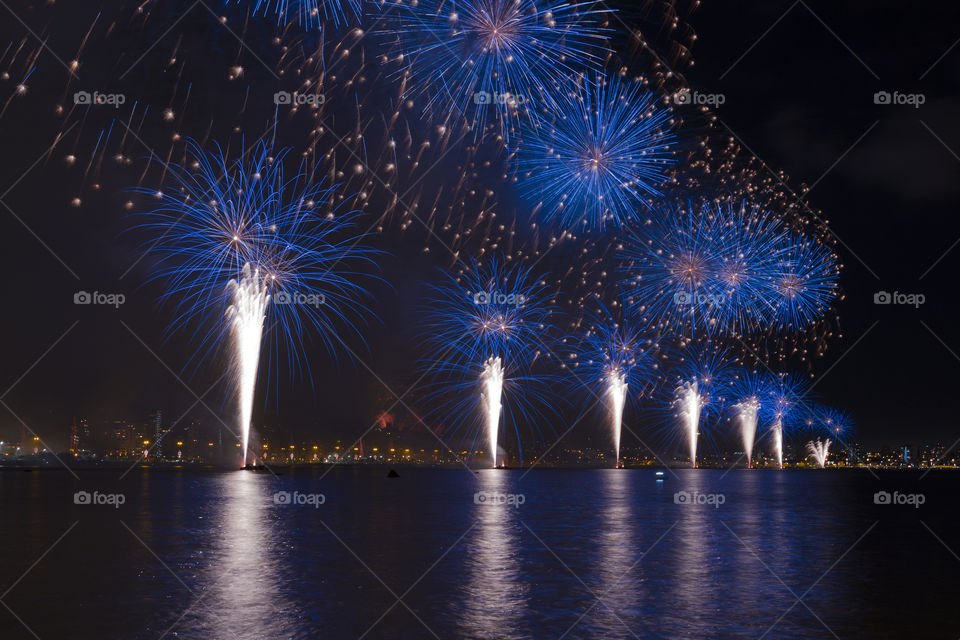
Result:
[
  {"x": 245, "y": 318},
  {"x": 748, "y": 392},
  {"x": 835, "y": 424},
  {"x": 308, "y": 13},
  {"x": 602, "y": 153},
  {"x": 819, "y": 450},
  {"x": 702, "y": 380},
  {"x": 783, "y": 410},
  {"x": 489, "y": 59},
  {"x": 486, "y": 329},
  {"x": 617, "y": 362},
  {"x": 233, "y": 237}
]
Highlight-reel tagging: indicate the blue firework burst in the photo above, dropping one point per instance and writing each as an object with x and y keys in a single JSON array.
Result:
[
  {"x": 671, "y": 271},
  {"x": 724, "y": 269},
  {"x": 490, "y": 319},
  {"x": 698, "y": 394},
  {"x": 711, "y": 368},
  {"x": 835, "y": 424},
  {"x": 748, "y": 386},
  {"x": 616, "y": 362},
  {"x": 489, "y": 59},
  {"x": 600, "y": 156},
  {"x": 786, "y": 402},
  {"x": 804, "y": 280},
  {"x": 611, "y": 348},
  {"x": 218, "y": 220}
]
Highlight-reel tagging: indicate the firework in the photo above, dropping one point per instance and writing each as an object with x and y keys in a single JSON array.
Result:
[
  {"x": 805, "y": 282},
  {"x": 309, "y": 13},
  {"x": 702, "y": 378},
  {"x": 617, "y": 360},
  {"x": 835, "y": 424},
  {"x": 234, "y": 237},
  {"x": 485, "y": 329},
  {"x": 724, "y": 269},
  {"x": 603, "y": 155},
  {"x": 748, "y": 393},
  {"x": 783, "y": 410},
  {"x": 491, "y": 59},
  {"x": 819, "y": 450},
  {"x": 672, "y": 271}
]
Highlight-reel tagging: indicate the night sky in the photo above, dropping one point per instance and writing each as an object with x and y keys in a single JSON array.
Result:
[{"x": 798, "y": 81}]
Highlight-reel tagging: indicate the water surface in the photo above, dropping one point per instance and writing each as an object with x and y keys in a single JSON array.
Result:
[{"x": 588, "y": 554}]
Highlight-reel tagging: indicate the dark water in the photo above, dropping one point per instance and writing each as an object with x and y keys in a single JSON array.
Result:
[{"x": 589, "y": 554}]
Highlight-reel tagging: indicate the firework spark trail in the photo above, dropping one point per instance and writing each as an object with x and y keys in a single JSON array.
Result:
[
  {"x": 690, "y": 403},
  {"x": 819, "y": 450},
  {"x": 614, "y": 359},
  {"x": 616, "y": 399},
  {"x": 749, "y": 391},
  {"x": 747, "y": 416},
  {"x": 309, "y": 13},
  {"x": 776, "y": 432},
  {"x": 703, "y": 377},
  {"x": 491, "y": 396},
  {"x": 245, "y": 317}
]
